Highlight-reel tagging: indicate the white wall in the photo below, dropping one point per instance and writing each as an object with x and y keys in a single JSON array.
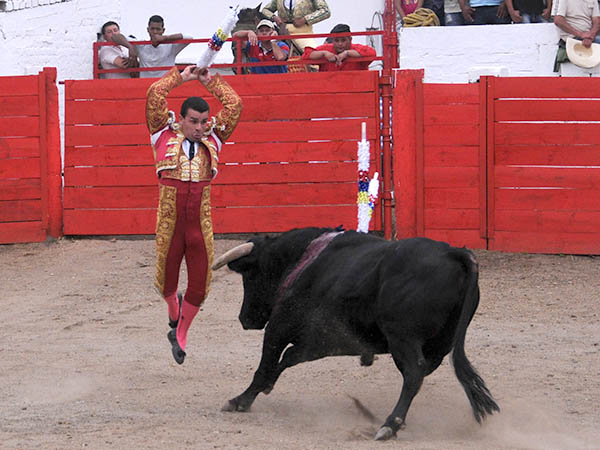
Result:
[{"x": 449, "y": 54}]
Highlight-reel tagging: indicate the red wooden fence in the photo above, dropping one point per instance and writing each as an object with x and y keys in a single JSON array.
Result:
[
  {"x": 30, "y": 165},
  {"x": 544, "y": 172},
  {"x": 507, "y": 164},
  {"x": 290, "y": 163}
]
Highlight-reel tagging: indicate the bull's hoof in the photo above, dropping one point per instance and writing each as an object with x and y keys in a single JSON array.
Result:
[
  {"x": 268, "y": 390},
  {"x": 366, "y": 359},
  {"x": 384, "y": 434},
  {"x": 234, "y": 406}
]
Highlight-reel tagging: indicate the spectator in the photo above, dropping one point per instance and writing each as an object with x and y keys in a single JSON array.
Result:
[
  {"x": 437, "y": 6},
  {"x": 405, "y": 7},
  {"x": 155, "y": 55},
  {"x": 482, "y": 12},
  {"x": 529, "y": 11},
  {"x": 297, "y": 17},
  {"x": 452, "y": 13},
  {"x": 341, "y": 52},
  {"x": 115, "y": 56},
  {"x": 579, "y": 19},
  {"x": 267, "y": 50}
]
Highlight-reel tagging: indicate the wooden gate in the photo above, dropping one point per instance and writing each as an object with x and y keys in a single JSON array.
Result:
[
  {"x": 508, "y": 164},
  {"x": 30, "y": 164},
  {"x": 544, "y": 169},
  {"x": 290, "y": 163}
]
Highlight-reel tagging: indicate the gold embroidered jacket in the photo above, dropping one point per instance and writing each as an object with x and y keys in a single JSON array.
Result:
[
  {"x": 313, "y": 11},
  {"x": 171, "y": 161}
]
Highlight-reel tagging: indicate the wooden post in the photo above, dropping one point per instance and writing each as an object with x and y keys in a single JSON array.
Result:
[
  {"x": 390, "y": 52},
  {"x": 53, "y": 156},
  {"x": 406, "y": 137}
]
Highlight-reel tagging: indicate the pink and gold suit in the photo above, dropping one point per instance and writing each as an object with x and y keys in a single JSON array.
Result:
[{"x": 183, "y": 223}]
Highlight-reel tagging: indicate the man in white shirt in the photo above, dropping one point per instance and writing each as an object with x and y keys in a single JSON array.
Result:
[
  {"x": 115, "y": 56},
  {"x": 160, "y": 53},
  {"x": 579, "y": 19}
]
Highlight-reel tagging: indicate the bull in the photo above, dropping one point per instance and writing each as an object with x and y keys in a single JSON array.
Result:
[{"x": 322, "y": 292}]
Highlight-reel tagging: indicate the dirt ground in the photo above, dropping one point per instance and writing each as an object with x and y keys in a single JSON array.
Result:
[{"x": 85, "y": 362}]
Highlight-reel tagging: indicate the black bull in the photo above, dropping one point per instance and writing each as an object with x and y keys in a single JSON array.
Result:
[{"x": 360, "y": 295}]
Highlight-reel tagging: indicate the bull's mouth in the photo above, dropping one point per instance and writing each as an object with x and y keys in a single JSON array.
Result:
[{"x": 252, "y": 325}]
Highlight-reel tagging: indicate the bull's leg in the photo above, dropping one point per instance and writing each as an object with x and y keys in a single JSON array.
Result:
[
  {"x": 408, "y": 357},
  {"x": 266, "y": 374}
]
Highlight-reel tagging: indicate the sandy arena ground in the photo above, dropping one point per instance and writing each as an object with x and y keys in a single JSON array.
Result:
[{"x": 86, "y": 362}]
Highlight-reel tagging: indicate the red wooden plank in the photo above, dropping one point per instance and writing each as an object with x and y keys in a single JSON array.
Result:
[
  {"x": 548, "y": 199},
  {"x": 552, "y": 155},
  {"x": 278, "y": 219},
  {"x": 25, "y": 189},
  {"x": 458, "y": 238},
  {"x": 537, "y": 242},
  {"x": 547, "y": 87},
  {"x": 20, "y": 127},
  {"x": 405, "y": 134},
  {"x": 465, "y": 156},
  {"x": 19, "y": 147},
  {"x": 452, "y": 135},
  {"x": 18, "y": 86},
  {"x": 132, "y": 155},
  {"x": 452, "y": 177},
  {"x": 110, "y": 176},
  {"x": 287, "y": 173},
  {"x": 20, "y": 210},
  {"x": 109, "y": 221},
  {"x": 551, "y": 110},
  {"x": 290, "y": 152},
  {"x": 487, "y": 146},
  {"x": 443, "y": 94},
  {"x": 263, "y": 108},
  {"x": 467, "y": 198},
  {"x": 17, "y": 232},
  {"x": 284, "y": 194},
  {"x": 19, "y": 168},
  {"x": 547, "y": 133},
  {"x": 291, "y": 83},
  {"x": 452, "y": 219},
  {"x": 24, "y": 105},
  {"x": 547, "y": 177},
  {"x": 460, "y": 114},
  {"x": 255, "y": 132},
  {"x": 111, "y": 197},
  {"x": 548, "y": 221}
]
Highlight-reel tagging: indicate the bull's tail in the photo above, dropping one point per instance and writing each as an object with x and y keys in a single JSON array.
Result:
[{"x": 478, "y": 394}]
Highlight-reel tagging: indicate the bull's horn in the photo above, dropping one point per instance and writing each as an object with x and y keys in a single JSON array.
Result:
[{"x": 234, "y": 253}]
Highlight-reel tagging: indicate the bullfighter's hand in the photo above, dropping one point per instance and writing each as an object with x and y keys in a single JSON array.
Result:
[
  {"x": 189, "y": 73},
  {"x": 203, "y": 75}
]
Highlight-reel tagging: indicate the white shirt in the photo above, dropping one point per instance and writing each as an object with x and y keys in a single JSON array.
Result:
[
  {"x": 107, "y": 55},
  {"x": 163, "y": 55},
  {"x": 186, "y": 148}
]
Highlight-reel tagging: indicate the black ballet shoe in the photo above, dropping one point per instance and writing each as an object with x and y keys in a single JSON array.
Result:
[
  {"x": 178, "y": 353},
  {"x": 173, "y": 323}
]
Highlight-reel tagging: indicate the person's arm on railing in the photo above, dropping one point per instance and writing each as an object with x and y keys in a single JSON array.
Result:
[{"x": 119, "y": 39}]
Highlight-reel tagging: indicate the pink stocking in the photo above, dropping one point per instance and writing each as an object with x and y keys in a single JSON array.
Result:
[{"x": 188, "y": 312}]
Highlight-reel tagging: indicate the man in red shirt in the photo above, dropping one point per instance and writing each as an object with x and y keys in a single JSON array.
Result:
[{"x": 341, "y": 53}]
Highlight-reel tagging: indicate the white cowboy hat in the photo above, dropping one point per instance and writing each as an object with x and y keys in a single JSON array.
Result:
[{"x": 581, "y": 56}]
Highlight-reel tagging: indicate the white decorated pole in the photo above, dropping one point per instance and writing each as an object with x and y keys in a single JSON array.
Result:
[
  {"x": 218, "y": 38},
  {"x": 368, "y": 190},
  {"x": 363, "y": 157}
]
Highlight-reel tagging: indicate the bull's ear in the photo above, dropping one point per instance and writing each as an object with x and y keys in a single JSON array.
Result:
[
  {"x": 258, "y": 7},
  {"x": 243, "y": 264}
]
